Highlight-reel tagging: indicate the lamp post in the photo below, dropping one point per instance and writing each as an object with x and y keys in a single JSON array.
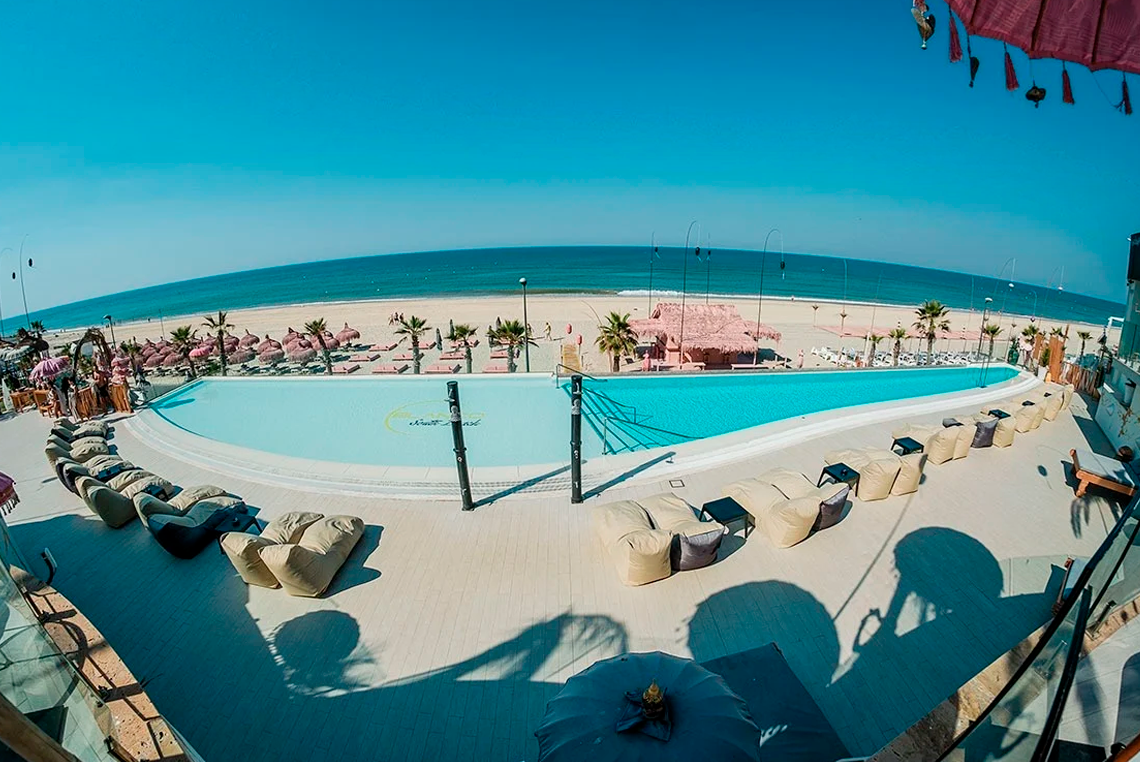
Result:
[
  {"x": 111, "y": 325},
  {"x": 982, "y": 329},
  {"x": 652, "y": 256},
  {"x": 526, "y": 326},
  {"x": 24, "y": 293},
  {"x": 1033, "y": 318},
  {"x": 708, "y": 266},
  {"x": 684, "y": 282},
  {"x": 760, "y": 298},
  {"x": 6, "y": 248}
]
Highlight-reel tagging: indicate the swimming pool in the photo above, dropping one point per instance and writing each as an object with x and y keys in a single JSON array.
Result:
[{"x": 522, "y": 420}]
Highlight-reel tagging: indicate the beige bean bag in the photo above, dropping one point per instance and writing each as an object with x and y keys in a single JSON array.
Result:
[
  {"x": 308, "y": 567},
  {"x": 674, "y": 515},
  {"x": 877, "y": 469},
  {"x": 123, "y": 479},
  {"x": 187, "y": 497},
  {"x": 243, "y": 549},
  {"x": 640, "y": 553},
  {"x": 965, "y": 437},
  {"x": 754, "y": 495},
  {"x": 114, "y": 509},
  {"x": 1054, "y": 403},
  {"x": 85, "y": 449},
  {"x": 151, "y": 485},
  {"x": 910, "y": 473},
  {"x": 1005, "y": 431},
  {"x": 98, "y": 428},
  {"x": 789, "y": 521}
]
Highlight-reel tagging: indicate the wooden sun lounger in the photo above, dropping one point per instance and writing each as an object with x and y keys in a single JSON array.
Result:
[
  {"x": 365, "y": 357},
  {"x": 404, "y": 356},
  {"x": 346, "y": 368},
  {"x": 452, "y": 356},
  {"x": 1102, "y": 471},
  {"x": 391, "y": 370},
  {"x": 494, "y": 368},
  {"x": 429, "y": 345},
  {"x": 382, "y": 347},
  {"x": 442, "y": 369},
  {"x": 499, "y": 354}
]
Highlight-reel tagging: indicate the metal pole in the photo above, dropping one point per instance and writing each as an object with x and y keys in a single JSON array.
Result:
[
  {"x": 576, "y": 438},
  {"x": 760, "y": 303},
  {"x": 23, "y": 293},
  {"x": 708, "y": 266},
  {"x": 982, "y": 330},
  {"x": 111, "y": 324},
  {"x": 6, "y": 248},
  {"x": 526, "y": 327},
  {"x": 652, "y": 256},
  {"x": 684, "y": 281},
  {"x": 460, "y": 448}
]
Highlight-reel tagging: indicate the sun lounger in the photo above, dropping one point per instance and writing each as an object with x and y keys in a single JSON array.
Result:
[
  {"x": 452, "y": 356},
  {"x": 383, "y": 347},
  {"x": 640, "y": 553},
  {"x": 389, "y": 369},
  {"x": 365, "y": 357},
  {"x": 495, "y": 368},
  {"x": 346, "y": 368},
  {"x": 402, "y": 356},
  {"x": 499, "y": 354},
  {"x": 442, "y": 369},
  {"x": 1103, "y": 471},
  {"x": 429, "y": 345},
  {"x": 307, "y": 567}
]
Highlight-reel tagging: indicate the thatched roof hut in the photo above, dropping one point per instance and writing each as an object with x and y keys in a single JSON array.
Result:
[{"x": 714, "y": 333}]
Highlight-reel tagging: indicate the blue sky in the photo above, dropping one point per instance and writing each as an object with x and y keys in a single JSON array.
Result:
[{"x": 145, "y": 142}]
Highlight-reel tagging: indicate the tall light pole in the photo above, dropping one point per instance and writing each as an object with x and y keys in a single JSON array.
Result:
[
  {"x": 708, "y": 265},
  {"x": 1033, "y": 318},
  {"x": 24, "y": 293},
  {"x": 526, "y": 326},
  {"x": 760, "y": 298},
  {"x": 111, "y": 325},
  {"x": 982, "y": 329},
  {"x": 6, "y": 248},
  {"x": 684, "y": 282},
  {"x": 652, "y": 256}
]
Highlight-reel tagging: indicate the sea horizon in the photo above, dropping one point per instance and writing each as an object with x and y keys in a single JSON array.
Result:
[{"x": 569, "y": 270}]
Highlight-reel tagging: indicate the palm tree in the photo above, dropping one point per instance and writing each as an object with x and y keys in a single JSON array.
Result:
[
  {"x": 462, "y": 333},
  {"x": 220, "y": 326},
  {"x": 814, "y": 312},
  {"x": 991, "y": 331},
  {"x": 134, "y": 353},
  {"x": 316, "y": 328},
  {"x": 931, "y": 320},
  {"x": 897, "y": 335},
  {"x": 413, "y": 327},
  {"x": 38, "y": 327},
  {"x": 616, "y": 338},
  {"x": 512, "y": 335},
  {"x": 1083, "y": 336},
  {"x": 874, "y": 338},
  {"x": 184, "y": 338}
]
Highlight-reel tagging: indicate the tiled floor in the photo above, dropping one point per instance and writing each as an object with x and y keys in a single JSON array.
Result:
[{"x": 447, "y": 632}]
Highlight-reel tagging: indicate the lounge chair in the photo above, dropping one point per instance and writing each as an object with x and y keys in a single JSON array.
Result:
[
  {"x": 114, "y": 509},
  {"x": 404, "y": 357},
  {"x": 390, "y": 369},
  {"x": 695, "y": 543},
  {"x": 787, "y": 506},
  {"x": 346, "y": 368},
  {"x": 495, "y": 368},
  {"x": 384, "y": 347},
  {"x": 242, "y": 548},
  {"x": 187, "y": 535},
  {"x": 307, "y": 567},
  {"x": 147, "y": 505},
  {"x": 440, "y": 368},
  {"x": 878, "y": 470},
  {"x": 641, "y": 553},
  {"x": 365, "y": 357},
  {"x": 1102, "y": 471}
]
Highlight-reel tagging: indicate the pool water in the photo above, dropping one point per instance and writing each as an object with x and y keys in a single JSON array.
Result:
[{"x": 522, "y": 420}]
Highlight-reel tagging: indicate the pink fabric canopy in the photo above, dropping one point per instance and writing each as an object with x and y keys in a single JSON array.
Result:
[
  {"x": 1100, "y": 34},
  {"x": 172, "y": 359},
  {"x": 707, "y": 326},
  {"x": 199, "y": 352},
  {"x": 48, "y": 369},
  {"x": 249, "y": 340}
]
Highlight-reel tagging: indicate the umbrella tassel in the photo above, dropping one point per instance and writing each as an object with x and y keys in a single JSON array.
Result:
[
  {"x": 955, "y": 43},
  {"x": 1066, "y": 86},
  {"x": 1125, "y": 104},
  {"x": 1010, "y": 75}
]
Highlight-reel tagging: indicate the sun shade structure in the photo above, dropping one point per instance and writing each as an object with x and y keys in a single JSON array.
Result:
[
  {"x": 706, "y": 720},
  {"x": 712, "y": 334},
  {"x": 347, "y": 334},
  {"x": 48, "y": 369}
]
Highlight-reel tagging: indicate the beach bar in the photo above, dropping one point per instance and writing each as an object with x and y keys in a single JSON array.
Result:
[{"x": 702, "y": 336}]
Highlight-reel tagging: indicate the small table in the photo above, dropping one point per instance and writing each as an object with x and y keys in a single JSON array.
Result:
[
  {"x": 999, "y": 414},
  {"x": 840, "y": 472},
  {"x": 725, "y": 511},
  {"x": 906, "y": 445}
]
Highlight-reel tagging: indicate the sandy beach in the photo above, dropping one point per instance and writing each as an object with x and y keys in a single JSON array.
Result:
[{"x": 802, "y": 327}]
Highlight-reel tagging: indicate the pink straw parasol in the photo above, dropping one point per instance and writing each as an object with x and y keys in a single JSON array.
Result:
[
  {"x": 271, "y": 356},
  {"x": 303, "y": 354},
  {"x": 347, "y": 334},
  {"x": 199, "y": 352},
  {"x": 241, "y": 354},
  {"x": 172, "y": 360},
  {"x": 48, "y": 369},
  {"x": 267, "y": 345},
  {"x": 153, "y": 361},
  {"x": 248, "y": 340}
]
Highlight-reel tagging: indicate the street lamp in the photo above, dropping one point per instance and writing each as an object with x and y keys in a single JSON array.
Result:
[
  {"x": 111, "y": 324},
  {"x": 6, "y": 248},
  {"x": 982, "y": 330},
  {"x": 760, "y": 298},
  {"x": 24, "y": 293},
  {"x": 526, "y": 326},
  {"x": 684, "y": 282}
]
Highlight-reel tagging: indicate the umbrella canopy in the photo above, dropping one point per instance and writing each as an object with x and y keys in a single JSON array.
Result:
[
  {"x": 48, "y": 369},
  {"x": 199, "y": 352},
  {"x": 709, "y": 721},
  {"x": 271, "y": 356},
  {"x": 330, "y": 340},
  {"x": 302, "y": 354},
  {"x": 242, "y": 354},
  {"x": 1099, "y": 34},
  {"x": 707, "y": 326},
  {"x": 172, "y": 359},
  {"x": 347, "y": 334},
  {"x": 249, "y": 340},
  {"x": 153, "y": 361},
  {"x": 267, "y": 345},
  {"x": 289, "y": 336}
]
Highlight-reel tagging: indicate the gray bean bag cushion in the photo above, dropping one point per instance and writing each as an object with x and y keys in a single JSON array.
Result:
[
  {"x": 831, "y": 508},
  {"x": 695, "y": 551},
  {"x": 984, "y": 436}
]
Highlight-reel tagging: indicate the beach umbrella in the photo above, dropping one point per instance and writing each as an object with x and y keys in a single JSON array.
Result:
[
  {"x": 242, "y": 354},
  {"x": 153, "y": 361},
  {"x": 303, "y": 354},
  {"x": 289, "y": 336},
  {"x": 249, "y": 340},
  {"x": 271, "y": 356},
  {"x": 607, "y": 713},
  {"x": 578, "y": 339},
  {"x": 200, "y": 351},
  {"x": 172, "y": 360},
  {"x": 569, "y": 329},
  {"x": 330, "y": 340},
  {"x": 48, "y": 369},
  {"x": 267, "y": 345},
  {"x": 347, "y": 334}
]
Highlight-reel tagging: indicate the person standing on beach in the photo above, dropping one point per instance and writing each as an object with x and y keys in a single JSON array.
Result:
[{"x": 546, "y": 331}]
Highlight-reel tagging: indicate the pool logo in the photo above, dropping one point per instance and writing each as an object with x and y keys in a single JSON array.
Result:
[{"x": 425, "y": 415}]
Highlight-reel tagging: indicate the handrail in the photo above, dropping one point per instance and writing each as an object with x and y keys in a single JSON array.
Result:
[
  {"x": 558, "y": 365},
  {"x": 612, "y": 401},
  {"x": 605, "y": 430}
]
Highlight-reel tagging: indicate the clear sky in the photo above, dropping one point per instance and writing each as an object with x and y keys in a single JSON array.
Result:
[{"x": 148, "y": 141}]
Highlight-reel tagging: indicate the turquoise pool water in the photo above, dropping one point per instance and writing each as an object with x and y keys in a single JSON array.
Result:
[{"x": 522, "y": 420}]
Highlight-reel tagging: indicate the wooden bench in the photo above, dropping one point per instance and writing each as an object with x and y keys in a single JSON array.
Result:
[{"x": 1103, "y": 472}]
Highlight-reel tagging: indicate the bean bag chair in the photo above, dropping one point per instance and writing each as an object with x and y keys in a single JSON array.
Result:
[
  {"x": 877, "y": 469},
  {"x": 910, "y": 473},
  {"x": 792, "y": 484},
  {"x": 151, "y": 485},
  {"x": 70, "y": 435},
  {"x": 640, "y": 553},
  {"x": 1001, "y": 431},
  {"x": 307, "y": 567},
  {"x": 754, "y": 495},
  {"x": 147, "y": 505},
  {"x": 67, "y": 471},
  {"x": 187, "y": 497},
  {"x": 243, "y": 548},
  {"x": 789, "y": 522},
  {"x": 83, "y": 450},
  {"x": 114, "y": 509},
  {"x": 187, "y": 535},
  {"x": 695, "y": 543},
  {"x": 97, "y": 427},
  {"x": 1053, "y": 404},
  {"x": 124, "y": 479},
  {"x": 106, "y": 467},
  {"x": 965, "y": 438}
]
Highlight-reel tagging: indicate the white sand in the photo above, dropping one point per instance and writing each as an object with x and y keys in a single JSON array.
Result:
[{"x": 802, "y": 327}]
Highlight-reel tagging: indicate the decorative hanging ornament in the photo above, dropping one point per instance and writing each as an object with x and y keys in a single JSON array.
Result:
[
  {"x": 974, "y": 62},
  {"x": 1035, "y": 94},
  {"x": 924, "y": 19},
  {"x": 955, "y": 44},
  {"x": 1010, "y": 75},
  {"x": 1066, "y": 86},
  {"x": 1125, "y": 104}
]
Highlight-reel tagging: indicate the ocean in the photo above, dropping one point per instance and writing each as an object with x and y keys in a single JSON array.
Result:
[{"x": 576, "y": 270}]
